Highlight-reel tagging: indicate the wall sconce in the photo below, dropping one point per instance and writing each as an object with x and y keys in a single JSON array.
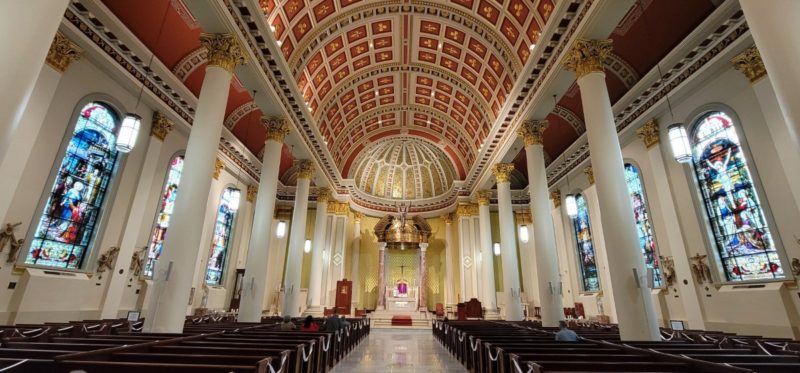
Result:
[{"x": 280, "y": 231}]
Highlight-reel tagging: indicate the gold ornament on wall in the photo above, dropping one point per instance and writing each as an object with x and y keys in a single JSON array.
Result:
[
  {"x": 588, "y": 56},
  {"x": 218, "y": 166},
  {"x": 502, "y": 172},
  {"x": 649, "y": 133},
  {"x": 7, "y": 237},
  {"x": 589, "y": 172},
  {"x": 137, "y": 261},
  {"x": 750, "y": 64},
  {"x": 668, "y": 269},
  {"x": 700, "y": 269},
  {"x": 467, "y": 210},
  {"x": 252, "y": 192},
  {"x": 161, "y": 126},
  {"x": 223, "y": 50},
  {"x": 107, "y": 259},
  {"x": 62, "y": 53},
  {"x": 532, "y": 131},
  {"x": 556, "y": 197}
]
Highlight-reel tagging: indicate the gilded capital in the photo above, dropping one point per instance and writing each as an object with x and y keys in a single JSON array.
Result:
[
  {"x": 648, "y": 133},
  {"x": 323, "y": 195},
  {"x": 62, "y": 53},
  {"x": 161, "y": 126},
  {"x": 502, "y": 172},
  {"x": 523, "y": 216},
  {"x": 252, "y": 192},
  {"x": 305, "y": 169},
  {"x": 277, "y": 128},
  {"x": 556, "y": 197},
  {"x": 532, "y": 131},
  {"x": 750, "y": 64},
  {"x": 447, "y": 218},
  {"x": 589, "y": 172},
  {"x": 338, "y": 208},
  {"x": 467, "y": 210},
  {"x": 483, "y": 197},
  {"x": 357, "y": 216},
  {"x": 587, "y": 56},
  {"x": 223, "y": 50},
  {"x": 218, "y": 166}
]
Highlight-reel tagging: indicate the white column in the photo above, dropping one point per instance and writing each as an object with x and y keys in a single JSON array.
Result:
[
  {"x": 635, "y": 310},
  {"x": 160, "y": 127},
  {"x": 774, "y": 27},
  {"x": 532, "y": 133},
  {"x": 297, "y": 239},
  {"x": 356, "y": 247},
  {"x": 488, "y": 290},
  {"x": 61, "y": 54},
  {"x": 508, "y": 243},
  {"x": 381, "y": 276},
  {"x": 174, "y": 270},
  {"x": 26, "y": 31},
  {"x": 422, "y": 275},
  {"x": 448, "y": 259},
  {"x": 317, "y": 245},
  {"x": 255, "y": 273}
]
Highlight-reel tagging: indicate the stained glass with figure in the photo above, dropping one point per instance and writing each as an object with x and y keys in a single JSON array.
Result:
[
  {"x": 165, "y": 209},
  {"x": 67, "y": 225},
  {"x": 583, "y": 237},
  {"x": 744, "y": 243},
  {"x": 220, "y": 242},
  {"x": 644, "y": 227}
]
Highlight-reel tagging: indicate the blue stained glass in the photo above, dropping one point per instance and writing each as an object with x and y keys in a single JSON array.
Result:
[
  {"x": 644, "y": 227},
  {"x": 66, "y": 226},
  {"x": 220, "y": 243},
  {"x": 164, "y": 213},
  {"x": 586, "y": 257},
  {"x": 743, "y": 239}
]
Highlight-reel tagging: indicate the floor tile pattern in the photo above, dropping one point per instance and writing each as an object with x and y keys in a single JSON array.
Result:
[{"x": 399, "y": 350}]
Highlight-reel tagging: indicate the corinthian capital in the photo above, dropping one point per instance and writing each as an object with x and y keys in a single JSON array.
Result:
[
  {"x": 556, "y": 197},
  {"x": 502, "y": 172},
  {"x": 648, "y": 133},
  {"x": 305, "y": 168},
  {"x": 589, "y": 172},
  {"x": 587, "y": 56},
  {"x": 483, "y": 197},
  {"x": 161, "y": 126},
  {"x": 62, "y": 53},
  {"x": 223, "y": 50},
  {"x": 277, "y": 128},
  {"x": 532, "y": 131},
  {"x": 323, "y": 195},
  {"x": 750, "y": 64}
]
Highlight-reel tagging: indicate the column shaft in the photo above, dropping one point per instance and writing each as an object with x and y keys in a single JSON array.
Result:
[
  {"x": 423, "y": 277},
  {"x": 381, "y": 275},
  {"x": 26, "y": 30},
  {"x": 635, "y": 310},
  {"x": 508, "y": 246},
  {"x": 317, "y": 247},
  {"x": 488, "y": 291},
  {"x": 257, "y": 264},
  {"x": 294, "y": 258},
  {"x": 448, "y": 261},
  {"x": 354, "y": 275}
]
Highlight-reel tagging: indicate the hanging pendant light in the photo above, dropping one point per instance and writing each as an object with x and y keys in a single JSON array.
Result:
[
  {"x": 128, "y": 132},
  {"x": 233, "y": 203},
  {"x": 496, "y": 248},
  {"x": 307, "y": 247},
  {"x": 572, "y": 206},
  {"x": 523, "y": 233},
  {"x": 679, "y": 141}
]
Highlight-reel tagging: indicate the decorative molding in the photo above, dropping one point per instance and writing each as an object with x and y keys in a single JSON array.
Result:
[
  {"x": 185, "y": 14},
  {"x": 62, "y": 53},
  {"x": 502, "y": 172},
  {"x": 223, "y": 50},
  {"x": 161, "y": 126},
  {"x": 240, "y": 112},
  {"x": 588, "y": 56},
  {"x": 589, "y": 172},
  {"x": 463, "y": 211},
  {"x": 338, "y": 208},
  {"x": 189, "y": 63},
  {"x": 532, "y": 131},
  {"x": 750, "y": 64},
  {"x": 218, "y": 166},
  {"x": 570, "y": 117},
  {"x": 649, "y": 133}
]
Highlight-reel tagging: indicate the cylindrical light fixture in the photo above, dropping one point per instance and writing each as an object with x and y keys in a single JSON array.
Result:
[
  {"x": 233, "y": 204},
  {"x": 679, "y": 141},
  {"x": 496, "y": 249},
  {"x": 280, "y": 231},
  {"x": 571, "y": 205},
  {"x": 307, "y": 247},
  {"x": 523, "y": 233},
  {"x": 126, "y": 139}
]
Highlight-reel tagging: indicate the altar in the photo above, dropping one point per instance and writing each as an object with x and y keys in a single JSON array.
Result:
[{"x": 396, "y": 300}]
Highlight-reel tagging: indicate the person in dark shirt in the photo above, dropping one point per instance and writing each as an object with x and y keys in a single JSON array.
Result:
[{"x": 565, "y": 334}]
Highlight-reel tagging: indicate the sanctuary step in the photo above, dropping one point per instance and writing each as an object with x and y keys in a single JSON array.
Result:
[{"x": 386, "y": 319}]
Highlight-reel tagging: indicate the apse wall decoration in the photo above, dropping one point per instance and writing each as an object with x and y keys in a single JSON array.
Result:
[
  {"x": 586, "y": 256},
  {"x": 220, "y": 242},
  {"x": 745, "y": 247},
  {"x": 644, "y": 227},
  {"x": 165, "y": 208},
  {"x": 73, "y": 209}
]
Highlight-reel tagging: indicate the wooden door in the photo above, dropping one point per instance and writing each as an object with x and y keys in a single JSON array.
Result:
[
  {"x": 344, "y": 296},
  {"x": 237, "y": 290}
]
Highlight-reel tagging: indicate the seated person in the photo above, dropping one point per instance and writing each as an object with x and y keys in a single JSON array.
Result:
[
  {"x": 287, "y": 323},
  {"x": 309, "y": 325},
  {"x": 564, "y": 334},
  {"x": 332, "y": 324},
  {"x": 343, "y": 323}
]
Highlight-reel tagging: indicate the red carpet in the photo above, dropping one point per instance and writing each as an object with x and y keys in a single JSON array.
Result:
[{"x": 401, "y": 320}]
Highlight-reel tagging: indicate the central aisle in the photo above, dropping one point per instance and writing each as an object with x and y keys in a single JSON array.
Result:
[{"x": 399, "y": 350}]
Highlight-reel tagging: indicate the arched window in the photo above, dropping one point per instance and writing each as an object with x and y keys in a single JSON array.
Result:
[
  {"x": 164, "y": 212},
  {"x": 644, "y": 227},
  {"x": 743, "y": 239},
  {"x": 583, "y": 237},
  {"x": 220, "y": 243},
  {"x": 73, "y": 209}
]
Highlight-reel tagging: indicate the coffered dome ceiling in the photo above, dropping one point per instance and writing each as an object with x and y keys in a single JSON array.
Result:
[{"x": 403, "y": 168}]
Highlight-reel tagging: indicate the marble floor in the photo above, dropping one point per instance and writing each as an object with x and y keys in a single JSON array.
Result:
[{"x": 399, "y": 350}]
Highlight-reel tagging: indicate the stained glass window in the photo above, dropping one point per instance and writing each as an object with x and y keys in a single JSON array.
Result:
[
  {"x": 644, "y": 226},
  {"x": 220, "y": 243},
  {"x": 164, "y": 213},
  {"x": 586, "y": 257},
  {"x": 744, "y": 243},
  {"x": 67, "y": 224}
]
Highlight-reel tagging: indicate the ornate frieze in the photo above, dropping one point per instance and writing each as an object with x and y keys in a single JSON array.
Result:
[
  {"x": 223, "y": 50},
  {"x": 467, "y": 210},
  {"x": 588, "y": 56}
]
